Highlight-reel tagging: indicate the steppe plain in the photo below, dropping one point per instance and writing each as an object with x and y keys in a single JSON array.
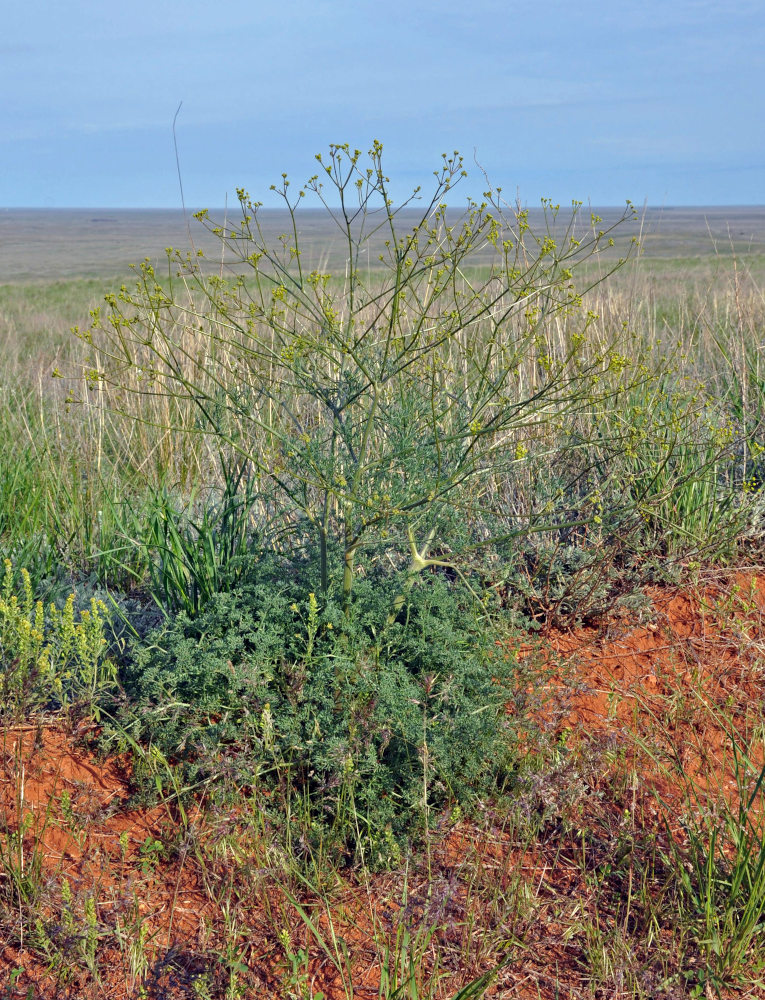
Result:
[{"x": 621, "y": 851}]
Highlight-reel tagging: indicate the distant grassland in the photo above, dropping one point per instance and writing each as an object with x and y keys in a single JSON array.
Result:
[
  {"x": 57, "y": 264},
  {"x": 45, "y": 245}
]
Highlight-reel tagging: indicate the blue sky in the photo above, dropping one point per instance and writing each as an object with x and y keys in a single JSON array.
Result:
[{"x": 602, "y": 100}]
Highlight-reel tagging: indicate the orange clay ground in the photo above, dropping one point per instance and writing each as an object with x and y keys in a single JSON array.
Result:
[{"x": 571, "y": 885}]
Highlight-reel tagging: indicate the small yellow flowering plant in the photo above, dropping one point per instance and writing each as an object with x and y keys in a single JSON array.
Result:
[{"x": 48, "y": 661}]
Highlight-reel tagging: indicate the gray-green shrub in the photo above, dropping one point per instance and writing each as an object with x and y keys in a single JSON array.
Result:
[{"x": 358, "y": 733}]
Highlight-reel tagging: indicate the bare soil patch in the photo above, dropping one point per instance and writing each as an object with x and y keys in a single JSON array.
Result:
[{"x": 104, "y": 899}]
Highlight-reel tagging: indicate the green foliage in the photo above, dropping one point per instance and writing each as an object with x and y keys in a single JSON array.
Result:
[
  {"x": 721, "y": 875},
  {"x": 192, "y": 558},
  {"x": 24, "y": 526},
  {"x": 677, "y": 464},
  {"x": 49, "y": 659},
  {"x": 372, "y": 730},
  {"x": 61, "y": 507}
]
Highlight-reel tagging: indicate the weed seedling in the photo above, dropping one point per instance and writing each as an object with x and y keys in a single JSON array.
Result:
[{"x": 150, "y": 852}]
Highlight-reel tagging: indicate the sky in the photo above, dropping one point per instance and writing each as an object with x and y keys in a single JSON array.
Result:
[{"x": 658, "y": 101}]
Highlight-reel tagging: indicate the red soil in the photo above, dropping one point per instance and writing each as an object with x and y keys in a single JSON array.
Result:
[{"x": 628, "y": 707}]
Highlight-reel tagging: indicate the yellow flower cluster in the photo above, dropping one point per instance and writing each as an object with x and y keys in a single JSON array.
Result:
[{"x": 49, "y": 660}]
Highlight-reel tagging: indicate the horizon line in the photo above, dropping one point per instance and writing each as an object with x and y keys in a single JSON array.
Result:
[{"x": 324, "y": 209}]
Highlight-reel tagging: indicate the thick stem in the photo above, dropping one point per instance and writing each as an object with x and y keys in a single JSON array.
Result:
[
  {"x": 324, "y": 526},
  {"x": 323, "y": 556},
  {"x": 350, "y": 558},
  {"x": 352, "y": 540},
  {"x": 416, "y": 566}
]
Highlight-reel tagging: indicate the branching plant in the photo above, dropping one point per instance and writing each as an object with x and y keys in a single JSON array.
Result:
[{"x": 385, "y": 409}]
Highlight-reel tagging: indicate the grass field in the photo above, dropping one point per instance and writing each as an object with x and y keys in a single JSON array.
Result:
[{"x": 383, "y": 629}]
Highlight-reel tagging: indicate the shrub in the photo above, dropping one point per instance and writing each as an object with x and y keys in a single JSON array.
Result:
[{"x": 371, "y": 733}]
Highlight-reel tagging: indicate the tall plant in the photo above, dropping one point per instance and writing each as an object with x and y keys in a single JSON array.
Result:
[{"x": 375, "y": 404}]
